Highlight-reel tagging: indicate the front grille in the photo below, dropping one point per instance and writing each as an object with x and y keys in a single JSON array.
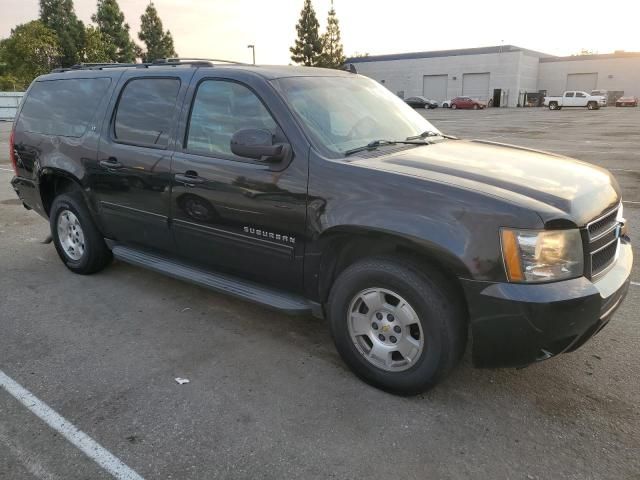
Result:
[
  {"x": 601, "y": 259},
  {"x": 602, "y": 243},
  {"x": 603, "y": 224}
]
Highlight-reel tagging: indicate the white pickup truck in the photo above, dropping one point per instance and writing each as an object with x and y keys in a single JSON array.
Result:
[{"x": 573, "y": 98}]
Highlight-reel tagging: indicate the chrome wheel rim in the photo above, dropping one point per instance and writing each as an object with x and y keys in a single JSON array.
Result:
[
  {"x": 385, "y": 329},
  {"x": 70, "y": 235}
]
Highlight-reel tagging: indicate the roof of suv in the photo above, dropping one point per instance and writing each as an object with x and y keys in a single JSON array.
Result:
[{"x": 269, "y": 72}]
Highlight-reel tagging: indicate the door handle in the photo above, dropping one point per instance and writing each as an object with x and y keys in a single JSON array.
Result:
[
  {"x": 188, "y": 178},
  {"x": 111, "y": 162}
]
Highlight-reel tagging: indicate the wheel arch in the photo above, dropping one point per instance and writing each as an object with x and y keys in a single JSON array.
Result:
[
  {"x": 342, "y": 246},
  {"x": 53, "y": 182}
]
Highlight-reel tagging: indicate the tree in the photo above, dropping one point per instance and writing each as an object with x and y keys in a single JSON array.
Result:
[
  {"x": 308, "y": 46},
  {"x": 96, "y": 48},
  {"x": 60, "y": 16},
  {"x": 159, "y": 44},
  {"x": 115, "y": 32},
  {"x": 332, "y": 50},
  {"x": 32, "y": 49}
]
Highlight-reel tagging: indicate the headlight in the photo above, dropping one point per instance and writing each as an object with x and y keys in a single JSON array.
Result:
[{"x": 542, "y": 255}]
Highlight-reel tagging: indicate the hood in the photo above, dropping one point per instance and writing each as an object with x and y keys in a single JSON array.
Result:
[{"x": 555, "y": 186}]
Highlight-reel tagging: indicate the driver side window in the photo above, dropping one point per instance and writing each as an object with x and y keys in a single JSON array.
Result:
[{"x": 220, "y": 109}]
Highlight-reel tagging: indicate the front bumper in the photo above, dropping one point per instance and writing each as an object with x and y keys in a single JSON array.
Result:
[{"x": 514, "y": 325}]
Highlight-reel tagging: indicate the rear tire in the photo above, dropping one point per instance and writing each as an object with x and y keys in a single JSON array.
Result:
[
  {"x": 78, "y": 241},
  {"x": 397, "y": 324},
  {"x": 553, "y": 106},
  {"x": 454, "y": 106},
  {"x": 475, "y": 107}
]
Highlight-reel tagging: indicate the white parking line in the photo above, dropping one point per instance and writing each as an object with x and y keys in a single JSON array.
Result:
[
  {"x": 636, "y": 284},
  {"x": 6, "y": 170},
  {"x": 629, "y": 201},
  {"x": 79, "y": 439}
]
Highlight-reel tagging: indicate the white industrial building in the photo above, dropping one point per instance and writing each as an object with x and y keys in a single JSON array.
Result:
[{"x": 502, "y": 74}]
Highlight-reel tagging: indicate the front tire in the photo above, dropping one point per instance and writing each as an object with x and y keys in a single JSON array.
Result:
[
  {"x": 78, "y": 241},
  {"x": 397, "y": 324},
  {"x": 454, "y": 106}
]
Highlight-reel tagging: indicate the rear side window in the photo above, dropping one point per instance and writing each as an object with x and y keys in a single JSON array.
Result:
[
  {"x": 62, "y": 107},
  {"x": 145, "y": 111}
]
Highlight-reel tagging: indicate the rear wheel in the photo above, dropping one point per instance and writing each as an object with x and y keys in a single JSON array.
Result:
[
  {"x": 553, "y": 106},
  {"x": 80, "y": 245},
  {"x": 454, "y": 106},
  {"x": 475, "y": 106},
  {"x": 397, "y": 325}
]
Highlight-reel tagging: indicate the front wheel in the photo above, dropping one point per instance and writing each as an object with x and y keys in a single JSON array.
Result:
[
  {"x": 592, "y": 106},
  {"x": 475, "y": 107},
  {"x": 454, "y": 106},
  {"x": 398, "y": 325}
]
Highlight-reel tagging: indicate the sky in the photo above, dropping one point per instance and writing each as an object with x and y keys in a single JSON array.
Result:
[{"x": 224, "y": 28}]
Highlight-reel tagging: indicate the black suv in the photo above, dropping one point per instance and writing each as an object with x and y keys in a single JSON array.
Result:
[{"x": 311, "y": 190}]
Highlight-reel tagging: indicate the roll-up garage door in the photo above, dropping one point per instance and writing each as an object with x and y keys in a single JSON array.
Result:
[
  {"x": 475, "y": 85},
  {"x": 582, "y": 81},
  {"x": 435, "y": 87}
]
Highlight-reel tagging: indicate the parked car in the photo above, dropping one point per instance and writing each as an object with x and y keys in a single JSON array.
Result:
[
  {"x": 627, "y": 102},
  {"x": 466, "y": 102},
  {"x": 573, "y": 98},
  {"x": 446, "y": 104},
  {"x": 421, "y": 102},
  {"x": 319, "y": 191}
]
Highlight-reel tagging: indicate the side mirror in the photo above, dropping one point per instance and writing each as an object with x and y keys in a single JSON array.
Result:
[{"x": 258, "y": 144}]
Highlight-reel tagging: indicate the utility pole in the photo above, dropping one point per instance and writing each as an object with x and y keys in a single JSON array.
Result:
[{"x": 253, "y": 50}]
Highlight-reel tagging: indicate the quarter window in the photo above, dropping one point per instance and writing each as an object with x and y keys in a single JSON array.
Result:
[
  {"x": 220, "y": 109},
  {"x": 146, "y": 110},
  {"x": 62, "y": 107}
]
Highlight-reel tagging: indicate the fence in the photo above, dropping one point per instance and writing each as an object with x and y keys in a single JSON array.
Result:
[{"x": 9, "y": 102}]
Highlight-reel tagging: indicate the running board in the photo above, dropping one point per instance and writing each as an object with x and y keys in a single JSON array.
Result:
[{"x": 236, "y": 287}]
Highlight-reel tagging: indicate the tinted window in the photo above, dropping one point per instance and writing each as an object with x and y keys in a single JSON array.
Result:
[
  {"x": 219, "y": 110},
  {"x": 580, "y": 94},
  {"x": 569, "y": 95},
  {"x": 145, "y": 111},
  {"x": 62, "y": 107}
]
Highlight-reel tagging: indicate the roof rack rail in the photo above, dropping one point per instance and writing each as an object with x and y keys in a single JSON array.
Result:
[
  {"x": 193, "y": 61},
  {"x": 156, "y": 63},
  {"x": 96, "y": 66}
]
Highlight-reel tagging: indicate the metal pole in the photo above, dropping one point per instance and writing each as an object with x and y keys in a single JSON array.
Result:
[{"x": 253, "y": 50}]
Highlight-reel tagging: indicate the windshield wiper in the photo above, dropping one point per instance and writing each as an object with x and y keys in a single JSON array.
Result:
[
  {"x": 379, "y": 143},
  {"x": 431, "y": 133}
]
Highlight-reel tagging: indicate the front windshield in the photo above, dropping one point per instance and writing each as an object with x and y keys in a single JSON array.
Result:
[{"x": 342, "y": 113}]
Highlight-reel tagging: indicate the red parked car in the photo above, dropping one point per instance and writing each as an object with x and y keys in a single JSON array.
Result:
[
  {"x": 466, "y": 102},
  {"x": 627, "y": 102}
]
